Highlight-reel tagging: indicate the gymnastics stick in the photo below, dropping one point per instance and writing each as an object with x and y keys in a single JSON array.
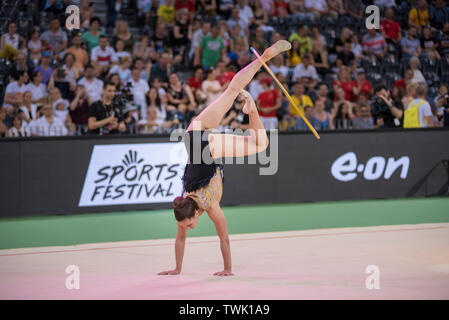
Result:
[{"x": 286, "y": 93}]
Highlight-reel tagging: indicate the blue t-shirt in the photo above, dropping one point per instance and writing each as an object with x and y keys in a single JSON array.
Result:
[
  {"x": 300, "y": 124},
  {"x": 46, "y": 73},
  {"x": 412, "y": 45}
]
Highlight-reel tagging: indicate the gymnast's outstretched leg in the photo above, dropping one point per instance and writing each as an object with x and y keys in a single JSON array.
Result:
[
  {"x": 187, "y": 208},
  {"x": 210, "y": 117}
]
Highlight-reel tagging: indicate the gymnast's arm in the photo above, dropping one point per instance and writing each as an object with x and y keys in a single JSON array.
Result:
[
  {"x": 179, "y": 251},
  {"x": 217, "y": 216}
]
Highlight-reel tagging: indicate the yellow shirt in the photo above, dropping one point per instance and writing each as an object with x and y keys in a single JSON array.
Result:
[
  {"x": 419, "y": 17},
  {"x": 305, "y": 101},
  {"x": 305, "y": 44},
  {"x": 166, "y": 13},
  {"x": 293, "y": 58}
]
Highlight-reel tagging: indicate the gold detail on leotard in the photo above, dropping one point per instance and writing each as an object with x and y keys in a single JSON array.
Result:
[{"x": 207, "y": 193}]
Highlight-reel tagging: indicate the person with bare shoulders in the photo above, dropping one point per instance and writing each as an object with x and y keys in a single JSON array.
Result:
[{"x": 203, "y": 176}]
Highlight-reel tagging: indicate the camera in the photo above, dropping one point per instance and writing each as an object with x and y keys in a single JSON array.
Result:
[
  {"x": 379, "y": 100},
  {"x": 121, "y": 101},
  {"x": 380, "y": 105}
]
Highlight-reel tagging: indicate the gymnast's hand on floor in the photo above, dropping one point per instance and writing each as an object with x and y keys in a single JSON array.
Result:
[
  {"x": 223, "y": 273},
  {"x": 169, "y": 272}
]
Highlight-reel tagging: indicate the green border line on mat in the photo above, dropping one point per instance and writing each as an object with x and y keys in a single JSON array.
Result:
[{"x": 63, "y": 230}]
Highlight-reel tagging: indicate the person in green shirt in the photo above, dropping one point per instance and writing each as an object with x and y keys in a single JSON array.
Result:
[
  {"x": 305, "y": 44},
  {"x": 92, "y": 37},
  {"x": 211, "y": 48}
]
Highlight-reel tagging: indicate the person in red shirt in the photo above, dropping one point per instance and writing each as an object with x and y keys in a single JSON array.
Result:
[
  {"x": 267, "y": 103},
  {"x": 197, "y": 79},
  {"x": 227, "y": 75},
  {"x": 390, "y": 29},
  {"x": 344, "y": 81},
  {"x": 277, "y": 5},
  {"x": 362, "y": 86},
  {"x": 188, "y": 4},
  {"x": 402, "y": 83}
]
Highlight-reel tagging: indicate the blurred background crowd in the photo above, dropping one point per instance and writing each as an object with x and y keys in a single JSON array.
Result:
[{"x": 148, "y": 66}]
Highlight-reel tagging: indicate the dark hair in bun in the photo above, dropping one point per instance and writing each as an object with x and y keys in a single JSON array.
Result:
[{"x": 184, "y": 208}]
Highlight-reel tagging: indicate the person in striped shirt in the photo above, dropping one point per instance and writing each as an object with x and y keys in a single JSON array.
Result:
[{"x": 374, "y": 44}]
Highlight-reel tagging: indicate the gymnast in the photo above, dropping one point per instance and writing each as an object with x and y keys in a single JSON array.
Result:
[{"x": 203, "y": 180}]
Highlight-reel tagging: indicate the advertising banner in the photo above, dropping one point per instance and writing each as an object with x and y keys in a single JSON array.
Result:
[
  {"x": 103, "y": 174},
  {"x": 134, "y": 173}
]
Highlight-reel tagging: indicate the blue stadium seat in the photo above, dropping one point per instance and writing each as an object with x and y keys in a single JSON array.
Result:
[
  {"x": 346, "y": 21},
  {"x": 329, "y": 79},
  {"x": 330, "y": 36},
  {"x": 432, "y": 79},
  {"x": 327, "y": 22},
  {"x": 432, "y": 93},
  {"x": 371, "y": 66},
  {"x": 404, "y": 64},
  {"x": 391, "y": 78},
  {"x": 391, "y": 65},
  {"x": 444, "y": 67},
  {"x": 428, "y": 65}
]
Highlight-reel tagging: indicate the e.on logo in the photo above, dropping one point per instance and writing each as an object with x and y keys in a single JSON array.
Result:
[{"x": 345, "y": 167}]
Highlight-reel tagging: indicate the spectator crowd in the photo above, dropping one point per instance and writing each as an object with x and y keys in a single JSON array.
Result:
[{"x": 148, "y": 66}]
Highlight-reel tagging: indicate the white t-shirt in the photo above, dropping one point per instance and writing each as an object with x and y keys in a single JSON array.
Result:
[
  {"x": 144, "y": 5},
  {"x": 139, "y": 90},
  {"x": 94, "y": 89},
  {"x": 282, "y": 69},
  {"x": 245, "y": 14},
  {"x": 356, "y": 49},
  {"x": 161, "y": 115},
  {"x": 384, "y": 3},
  {"x": 14, "y": 41},
  {"x": 14, "y": 88},
  {"x": 22, "y": 132},
  {"x": 418, "y": 76},
  {"x": 70, "y": 77},
  {"x": 31, "y": 116},
  {"x": 213, "y": 85},
  {"x": 161, "y": 92},
  {"x": 103, "y": 57},
  {"x": 255, "y": 88},
  {"x": 316, "y": 4},
  {"x": 124, "y": 75},
  {"x": 61, "y": 115},
  {"x": 424, "y": 110},
  {"x": 42, "y": 127},
  {"x": 196, "y": 40},
  {"x": 37, "y": 92},
  {"x": 35, "y": 45},
  {"x": 117, "y": 55},
  {"x": 301, "y": 72}
]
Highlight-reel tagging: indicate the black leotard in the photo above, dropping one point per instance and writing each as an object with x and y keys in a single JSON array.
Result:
[{"x": 199, "y": 171}]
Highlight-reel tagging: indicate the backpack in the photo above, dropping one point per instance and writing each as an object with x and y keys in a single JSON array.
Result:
[{"x": 411, "y": 115}]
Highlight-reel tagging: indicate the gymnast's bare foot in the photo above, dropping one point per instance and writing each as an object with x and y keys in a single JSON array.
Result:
[
  {"x": 170, "y": 272},
  {"x": 250, "y": 105},
  {"x": 223, "y": 273},
  {"x": 275, "y": 49}
]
